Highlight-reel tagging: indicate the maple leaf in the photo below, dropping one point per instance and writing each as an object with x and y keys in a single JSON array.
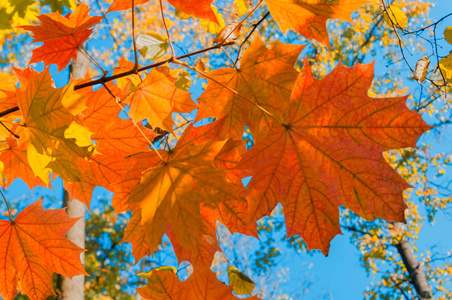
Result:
[
  {"x": 115, "y": 141},
  {"x": 309, "y": 17},
  {"x": 203, "y": 284},
  {"x": 34, "y": 246},
  {"x": 170, "y": 193},
  {"x": 60, "y": 51},
  {"x": 327, "y": 151},
  {"x": 156, "y": 98},
  {"x": 124, "y": 4},
  {"x": 47, "y": 113},
  {"x": 15, "y": 164},
  {"x": 61, "y": 35},
  {"x": 135, "y": 234},
  {"x": 102, "y": 109},
  {"x": 138, "y": 163},
  {"x": 263, "y": 74},
  {"x": 8, "y": 98},
  {"x": 7, "y": 81},
  {"x": 199, "y": 8}
]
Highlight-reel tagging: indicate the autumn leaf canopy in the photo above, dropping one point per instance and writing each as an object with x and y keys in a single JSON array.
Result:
[{"x": 318, "y": 145}]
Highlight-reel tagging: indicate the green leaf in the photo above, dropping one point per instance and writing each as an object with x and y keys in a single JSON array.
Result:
[
  {"x": 152, "y": 45},
  {"x": 241, "y": 283}
]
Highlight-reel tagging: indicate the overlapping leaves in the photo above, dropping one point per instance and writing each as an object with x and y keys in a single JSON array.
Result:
[
  {"x": 319, "y": 145},
  {"x": 202, "y": 284}
]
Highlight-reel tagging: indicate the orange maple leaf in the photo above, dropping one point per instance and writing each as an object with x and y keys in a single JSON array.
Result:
[
  {"x": 32, "y": 248},
  {"x": 116, "y": 139},
  {"x": 156, "y": 98},
  {"x": 309, "y": 17},
  {"x": 326, "y": 151},
  {"x": 170, "y": 193},
  {"x": 264, "y": 74},
  {"x": 203, "y": 284},
  {"x": 199, "y": 8},
  {"x": 15, "y": 164},
  {"x": 61, "y": 35},
  {"x": 47, "y": 115},
  {"x": 124, "y": 4}
]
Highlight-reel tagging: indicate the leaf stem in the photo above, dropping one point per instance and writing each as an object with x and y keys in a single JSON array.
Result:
[
  {"x": 225, "y": 86},
  {"x": 135, "y": 68},
  {"x": 173, "y": 56},
  {"x": 118, "y": 101},
  {"x": 88, "y": 56},
  {"x": 241, "y": 22},
  {"x": 9, "y": 130},
  {"x": 7, "y": 206},
  {"x": 249, "y": 35},
  {"x": 230, "y": 59}
]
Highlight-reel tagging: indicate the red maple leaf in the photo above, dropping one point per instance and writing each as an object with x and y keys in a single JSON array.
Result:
[
  {"x": 32, "y": 248},
  {"x": 61, "y": 35},
  {"x": 325, "y": 150}
]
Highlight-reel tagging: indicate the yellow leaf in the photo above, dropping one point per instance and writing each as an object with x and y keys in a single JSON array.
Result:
[
  {"x": 80, "y": 133},
  {"x": 396, "y": 17},
  {"x": 38, "y": 163},
  {"x": 445, "y": 64},
  {"x": 448, "y": 34},
  {"x": 210, "y": 26},
  {"x": 242, "y": 6},
  {"x": 168, "y": 269},
  {"x": 241, "y": 283}
]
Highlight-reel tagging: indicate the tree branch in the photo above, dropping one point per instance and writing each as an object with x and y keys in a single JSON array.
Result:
[
  {"x": 105, "y": 79},
  {"x": 415, "y": 269}
]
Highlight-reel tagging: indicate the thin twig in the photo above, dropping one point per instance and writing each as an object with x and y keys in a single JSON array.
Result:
[
  {"x": 9, "y": 130},
  {"x": 135, "y": 68},
  {"x": 437, "y": 56},
  {"x": 428, "y": 26},
  {"x": 115, "y": 40},
  {"x": 367, "y": 41},
  {"x": 7, "y": 206},
  {"x": 241, "y": 22},
  {"x": 88, "y": 56},
  {"x": 230, "y": 59},
  {"x": 166, "y": 30},
  {"x": 249, "y": 35},
  {"x": 223, "y": 85},
  {"x": 118, "y": 101}
]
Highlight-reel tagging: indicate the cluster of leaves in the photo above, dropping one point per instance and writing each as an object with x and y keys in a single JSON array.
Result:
[{"x": 318, "y": 144}]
